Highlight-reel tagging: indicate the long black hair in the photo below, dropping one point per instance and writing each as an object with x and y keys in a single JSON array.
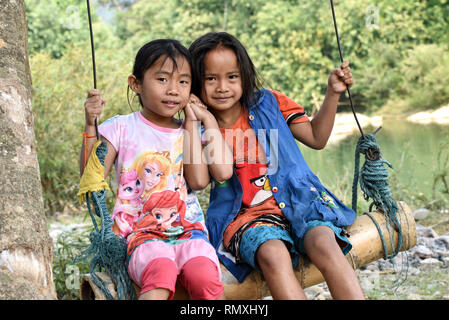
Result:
[
  {"x": 150, "y": 52},
  {"x": 251, "y": 80}
]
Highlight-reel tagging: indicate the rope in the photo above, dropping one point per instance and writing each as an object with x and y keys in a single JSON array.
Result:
[
  {"x": 93, "y": 58},
  {"x": 341, "y": 60},
  {"x": 374, "y": 184},
  {"x": 108, "y": 250}
]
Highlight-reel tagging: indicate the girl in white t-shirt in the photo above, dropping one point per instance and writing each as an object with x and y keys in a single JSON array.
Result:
[{"x": 152, "y": 151}]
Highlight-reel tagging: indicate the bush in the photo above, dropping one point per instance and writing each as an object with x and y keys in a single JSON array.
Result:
[
  {"x": 423, "y": 83},
  {"x": 66, "y": 272}
]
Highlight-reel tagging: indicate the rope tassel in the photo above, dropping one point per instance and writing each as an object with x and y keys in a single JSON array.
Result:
[
  {"x": 108, "y": 251},
  {"x": 374, "y": 184}
]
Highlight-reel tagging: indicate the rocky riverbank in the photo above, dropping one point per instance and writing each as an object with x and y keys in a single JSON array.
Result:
[
  {"x": 345, "y": 124},
  {"x": 420, "y": 273},
  {"x": 439, "y": 116}
]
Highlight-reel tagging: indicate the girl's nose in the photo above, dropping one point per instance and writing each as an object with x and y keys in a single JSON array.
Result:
[
  {"x": 222, "y": 87},
  {"x": 172, "y": 90}
]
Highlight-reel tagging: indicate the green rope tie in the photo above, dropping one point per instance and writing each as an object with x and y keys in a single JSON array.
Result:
[
  {"x": 374, "y": 184},
  {"x": 108, "y": 250}
]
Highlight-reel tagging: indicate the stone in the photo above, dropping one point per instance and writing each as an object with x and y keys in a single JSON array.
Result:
[
  {"x": 425, "y": 232},
  {"x": 314, "y": 292},
  {"x": 421, "y": 213},
  {"x": 414, "y": 296},
  {"x": 431, "y": 262},
  {"x": 423, "y": 252}
]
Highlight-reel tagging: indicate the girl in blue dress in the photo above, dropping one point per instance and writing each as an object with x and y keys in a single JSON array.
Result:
[{"x": 274, "y": 208}]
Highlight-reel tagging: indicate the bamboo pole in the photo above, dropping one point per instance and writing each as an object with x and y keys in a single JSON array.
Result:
[{"x": 366, "y": 247}]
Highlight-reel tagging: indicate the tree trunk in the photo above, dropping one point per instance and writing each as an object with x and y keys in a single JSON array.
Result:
[{"x": 25, "y": 245}]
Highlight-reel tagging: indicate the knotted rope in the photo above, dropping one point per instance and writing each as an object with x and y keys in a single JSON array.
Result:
[
  {"x": 108, "y": 251},
  {"x": 374, "y": 184}
]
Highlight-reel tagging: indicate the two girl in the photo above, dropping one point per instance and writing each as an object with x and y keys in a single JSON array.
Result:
[
  {"x": 165, "y": 232},
  {"x": 266, "y": 206}
]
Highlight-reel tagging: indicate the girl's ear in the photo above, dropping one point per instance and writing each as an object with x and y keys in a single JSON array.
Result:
[{"x": 134, "y": 84}]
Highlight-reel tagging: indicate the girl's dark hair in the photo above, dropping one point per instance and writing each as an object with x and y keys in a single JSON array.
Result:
[
  {"x": 152, "y": 51},
  {"x": 204, "y": 44}
]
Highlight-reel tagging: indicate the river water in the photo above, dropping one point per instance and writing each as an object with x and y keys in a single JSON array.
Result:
[{"x": 411, "y": 148}]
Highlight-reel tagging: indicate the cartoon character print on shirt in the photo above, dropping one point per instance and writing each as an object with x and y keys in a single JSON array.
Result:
[
  {"x": 163, "y": 217},
  {"x": 128, "y": 205},
  {"x": 153, "y": 169},
  {"x": 177, "y": 181},
  {"x": 255, "y": 183}
]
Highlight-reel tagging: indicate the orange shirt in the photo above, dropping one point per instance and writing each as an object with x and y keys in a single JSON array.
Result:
[{"x": 251, "y": 165}]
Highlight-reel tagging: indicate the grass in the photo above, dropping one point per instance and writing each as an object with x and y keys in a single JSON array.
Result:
[{"x": 429, "y": 283}]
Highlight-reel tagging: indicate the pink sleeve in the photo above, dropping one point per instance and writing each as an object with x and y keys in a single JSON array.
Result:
[{"x": 110, "y": 130}]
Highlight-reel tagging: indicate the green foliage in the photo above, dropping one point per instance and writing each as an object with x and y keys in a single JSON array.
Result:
[
  {"x": 54, "y": 24},
  {"x": 59, "y": 92},
  {"x": 398, "y": 54},
  {"x": 66, "y": 273},
  {"x": 423, "y": 82}
]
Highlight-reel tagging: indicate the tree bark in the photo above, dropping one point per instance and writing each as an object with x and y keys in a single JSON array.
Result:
[{"x": 25, "y": 245}]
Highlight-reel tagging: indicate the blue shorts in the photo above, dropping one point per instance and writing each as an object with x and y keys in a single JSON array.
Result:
[{"x": 256, "y": 236}]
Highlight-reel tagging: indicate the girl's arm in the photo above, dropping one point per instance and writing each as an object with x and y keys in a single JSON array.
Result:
[
  {"x": 92, "y": 109},
  {"x": 316, "y": 133},
  {"x": 217, "y": 160}
]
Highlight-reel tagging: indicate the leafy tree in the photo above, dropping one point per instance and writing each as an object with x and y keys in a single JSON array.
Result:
[
  {"x": 397, "y": 50},
  {"x": 54, "y": 25}
]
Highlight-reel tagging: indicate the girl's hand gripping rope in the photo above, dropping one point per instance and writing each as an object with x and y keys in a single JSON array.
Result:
[
  {"x": 340, "y": 78},
  {"x": 93, "y": 107}
]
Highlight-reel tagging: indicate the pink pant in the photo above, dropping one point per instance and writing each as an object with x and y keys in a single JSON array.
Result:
[{"x": 193, "y": 263}]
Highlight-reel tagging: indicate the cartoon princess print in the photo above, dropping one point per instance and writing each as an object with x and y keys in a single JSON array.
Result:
[
  {"x": 153, "y": 168},
  {"x": 162, "y": 217}
]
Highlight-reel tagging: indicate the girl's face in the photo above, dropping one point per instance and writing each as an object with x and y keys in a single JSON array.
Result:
[
  {"x": 165, "y": 89},
  {"x": 151, "y": 175},
  {"x": 222, "y": 87}
]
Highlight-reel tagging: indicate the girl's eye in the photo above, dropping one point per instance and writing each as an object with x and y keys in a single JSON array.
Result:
[
  {"x": 172, "y": 214},
  {"x": 158, "y": 216},
  {"x": 159, "y": 175},
  {"x": 233, "y": 76},
  {"x": 184, "y": 82},
  {"x": 147, "y": 170},
  {"x": 128, "y": 189},
  {"x": 162, "y": 79},
  {"x": 210, "y": 78}
]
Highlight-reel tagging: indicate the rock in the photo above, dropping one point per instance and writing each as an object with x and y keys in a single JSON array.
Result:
[
  {"x": 440, "y": 116},
  {"x": 414, "y": 296},
  {"x": 425, "y": 232},
  {"x": 431, "y": 262},
  {"x": 442, "y": 253},
  {"x": 314, "y": 292},
  {"x": 423, "y": 252},
  {"x": 421, "y": 213},
  {"x": 443, "y": 240}
]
